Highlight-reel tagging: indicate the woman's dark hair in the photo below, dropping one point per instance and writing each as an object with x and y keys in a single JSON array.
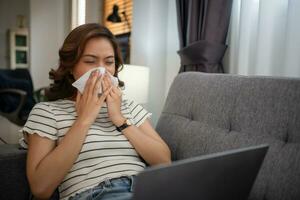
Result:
[{"x": 69, "y": 55}]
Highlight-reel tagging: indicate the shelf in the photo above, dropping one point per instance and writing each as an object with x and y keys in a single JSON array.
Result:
[{"x": 19, "y": 48}]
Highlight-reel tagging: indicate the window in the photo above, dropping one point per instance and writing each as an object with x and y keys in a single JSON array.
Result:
[{"x": 78, "y": 12}]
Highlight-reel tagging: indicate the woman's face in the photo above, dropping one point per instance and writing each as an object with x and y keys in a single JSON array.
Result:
[{"x": 98, "y": 52}]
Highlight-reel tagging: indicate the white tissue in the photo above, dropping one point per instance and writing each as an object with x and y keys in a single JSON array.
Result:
[{"x": 80, "y": 83}]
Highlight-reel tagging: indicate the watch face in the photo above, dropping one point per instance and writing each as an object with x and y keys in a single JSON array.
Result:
[{"x": 128, "y": 122}]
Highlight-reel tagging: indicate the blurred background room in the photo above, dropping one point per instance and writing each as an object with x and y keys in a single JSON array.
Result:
[{"x": 263, "y": 39}]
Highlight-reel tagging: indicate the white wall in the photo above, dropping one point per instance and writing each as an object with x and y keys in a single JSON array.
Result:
[
  {"x": 50, "y": 23},
  {"x": 154, "y": 44},
  {"x": 173, "y": 59},
  {"x": 93, "y": 11}
]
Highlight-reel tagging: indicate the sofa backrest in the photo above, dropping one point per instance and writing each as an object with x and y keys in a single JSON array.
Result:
[{"x": 208, "y": 113}]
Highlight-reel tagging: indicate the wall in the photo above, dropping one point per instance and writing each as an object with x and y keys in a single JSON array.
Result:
[
  {"x": 148, "y": 48},
  {"x": 152, "y": 46},
  {"x": 172, "y": 59},
  {"x": 9, "y": 10},
  {"x": 50, "y": 23},
  {"x": 93, "y": 11}
]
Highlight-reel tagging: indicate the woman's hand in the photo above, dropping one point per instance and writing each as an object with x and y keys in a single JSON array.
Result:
[
  {"x": 88, "y": 104},
  {"x": 113, "y": 100}
]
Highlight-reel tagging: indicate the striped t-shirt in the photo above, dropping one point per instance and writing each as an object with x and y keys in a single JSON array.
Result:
[{"x": 106, "y": 153}]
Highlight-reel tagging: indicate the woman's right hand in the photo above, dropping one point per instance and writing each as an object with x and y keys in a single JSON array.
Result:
[{"x": 88, "y": 104}]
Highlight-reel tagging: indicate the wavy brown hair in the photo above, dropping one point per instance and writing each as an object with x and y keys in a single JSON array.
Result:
[{"x": 70, "y": 54}]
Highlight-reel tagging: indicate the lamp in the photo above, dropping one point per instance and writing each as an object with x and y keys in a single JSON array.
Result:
[
  {"x": 114, "y": 16},
  {"x": 136, "y": 79}
]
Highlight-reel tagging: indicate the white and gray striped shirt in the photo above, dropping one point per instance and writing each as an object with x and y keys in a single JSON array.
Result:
[{"x": 106, "y": 153}]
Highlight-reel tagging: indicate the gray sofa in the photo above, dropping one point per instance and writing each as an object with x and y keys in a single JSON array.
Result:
[{"x": 207, "y": 113}]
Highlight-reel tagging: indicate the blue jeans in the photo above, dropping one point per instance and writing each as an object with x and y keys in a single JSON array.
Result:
[{"x": 113, "y": 189}]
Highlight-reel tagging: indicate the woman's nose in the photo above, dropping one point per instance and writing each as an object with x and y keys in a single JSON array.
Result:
[{"x": 101, "y": 64}]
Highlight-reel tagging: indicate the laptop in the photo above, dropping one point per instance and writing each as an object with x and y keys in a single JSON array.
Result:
[{"x": 226, "y": 175}]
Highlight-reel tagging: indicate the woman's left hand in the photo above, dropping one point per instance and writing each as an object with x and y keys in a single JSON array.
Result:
[{"x": 113, "y": 100}]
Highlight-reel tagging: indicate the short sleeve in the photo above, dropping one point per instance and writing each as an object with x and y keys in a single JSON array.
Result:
[
  {"x": 139, "y": 113},
  {"x": 41, "y": 121}
]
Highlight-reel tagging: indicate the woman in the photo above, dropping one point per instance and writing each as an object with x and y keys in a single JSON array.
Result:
[{"x": 72, "y": 140}]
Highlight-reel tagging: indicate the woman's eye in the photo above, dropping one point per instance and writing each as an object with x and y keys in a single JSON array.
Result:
[
  {"x": 89, "y": 61},
  {"x": 110, "y": 63}
]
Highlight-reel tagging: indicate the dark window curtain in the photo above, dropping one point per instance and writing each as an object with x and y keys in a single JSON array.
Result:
[{"x": 203, "y": 26}]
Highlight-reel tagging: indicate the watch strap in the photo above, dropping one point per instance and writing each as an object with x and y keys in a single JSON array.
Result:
[{"x": 123, "y": 126}]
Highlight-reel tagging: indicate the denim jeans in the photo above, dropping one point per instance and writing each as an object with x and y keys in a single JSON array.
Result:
[{"x": 113, "y": 189}]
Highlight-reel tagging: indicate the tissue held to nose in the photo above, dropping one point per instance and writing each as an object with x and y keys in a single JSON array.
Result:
[{"x": 80, "y": 83}]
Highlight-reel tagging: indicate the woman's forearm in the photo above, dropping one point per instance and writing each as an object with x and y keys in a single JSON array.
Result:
[
  {"x": 152, "y": 151},
  {"x": 51, "y": 170}
]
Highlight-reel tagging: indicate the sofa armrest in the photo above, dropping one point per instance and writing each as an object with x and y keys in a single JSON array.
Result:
[{"x": 14, "y": 184}]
